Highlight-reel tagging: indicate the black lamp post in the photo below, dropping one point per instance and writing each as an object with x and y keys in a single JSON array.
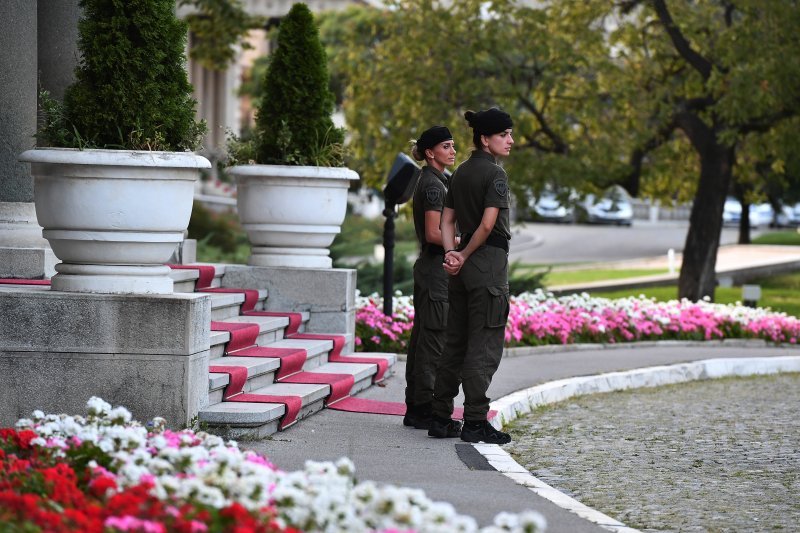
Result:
[{"x": 400, "y": 185}]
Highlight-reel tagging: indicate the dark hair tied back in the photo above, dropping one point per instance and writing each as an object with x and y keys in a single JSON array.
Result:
[
  {"x": 470, "y": 116},
  {"x": 489, "y": 121}
]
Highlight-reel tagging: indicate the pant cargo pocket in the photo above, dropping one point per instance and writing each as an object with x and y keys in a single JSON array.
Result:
[{"x": 498, "y": 306}]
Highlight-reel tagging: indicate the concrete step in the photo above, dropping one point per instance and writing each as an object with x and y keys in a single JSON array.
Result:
[
  {"x": 225, "y": 305},
  {"x": 253, "y": 419},
  {"x": 390, "y": 357},
  {"x": 185, "y": 279},
  {"x": 262, "y": 371},
  {"x": 271, "y": 330}
]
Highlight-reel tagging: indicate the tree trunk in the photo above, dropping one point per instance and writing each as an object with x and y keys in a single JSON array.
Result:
[
  {"x": 744, "y": 224},
  {"x": 741, "y": 192},
  {"x": 698, "y": 271}
]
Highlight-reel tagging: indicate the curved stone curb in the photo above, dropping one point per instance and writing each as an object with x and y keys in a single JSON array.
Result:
[{"x": 523, "y": 402}]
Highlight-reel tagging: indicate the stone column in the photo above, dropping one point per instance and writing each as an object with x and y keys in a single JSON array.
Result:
[
  {"x": 33, "y": 36},
  {"x": 21, "y": 243}
]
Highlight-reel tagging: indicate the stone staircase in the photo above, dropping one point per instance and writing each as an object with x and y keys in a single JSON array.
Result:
[{"x": 265, "y": 372}]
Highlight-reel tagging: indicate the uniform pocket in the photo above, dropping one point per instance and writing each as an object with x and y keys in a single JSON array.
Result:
[
  {"x": 436, "y": 313},
  {"x": 497, "y": 307}
]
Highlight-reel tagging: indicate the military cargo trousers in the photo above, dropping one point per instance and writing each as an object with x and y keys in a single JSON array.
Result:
[
  {"x": 476, "y": 323},
  {"x": 428, "y": 332}
]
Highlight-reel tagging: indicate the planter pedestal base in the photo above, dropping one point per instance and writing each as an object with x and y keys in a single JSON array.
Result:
[
  {"x": 290, "y": 257},
  {"x": 112, "y": 279}
]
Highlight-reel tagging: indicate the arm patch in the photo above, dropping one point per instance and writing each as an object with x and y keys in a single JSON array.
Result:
[
  {"x": 501, "y": 187},
  {"x": 433, "y": 195}
]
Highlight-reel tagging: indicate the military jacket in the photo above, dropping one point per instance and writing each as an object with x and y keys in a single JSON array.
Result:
[
  {"x": 478, "y": 183},
  {"x": 428, "y": 196}
]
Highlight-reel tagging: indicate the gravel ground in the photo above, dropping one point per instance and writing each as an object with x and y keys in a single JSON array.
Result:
[{"x": 718, "y": 455}]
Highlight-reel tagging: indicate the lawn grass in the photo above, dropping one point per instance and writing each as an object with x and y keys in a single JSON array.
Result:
[
  {"x": 568, "y": 277},
  {"x": 789, "y": 237},
  {"x": 780, "y": 293}
]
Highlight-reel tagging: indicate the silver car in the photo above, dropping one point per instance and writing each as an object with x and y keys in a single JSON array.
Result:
[{"x": 613, "y": 206}]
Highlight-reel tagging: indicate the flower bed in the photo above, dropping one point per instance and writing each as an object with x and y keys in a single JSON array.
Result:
[
  {"x": 539, "y": 318},
  {"x": 107, "y": 473}
]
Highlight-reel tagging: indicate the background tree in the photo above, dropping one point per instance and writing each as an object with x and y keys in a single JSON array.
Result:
[
  {"x": 425, "y": 64},
  {"x": 658, "y": 96},
  {"x": 219, "y": 29},
  {"x": 715, "y": 71}
]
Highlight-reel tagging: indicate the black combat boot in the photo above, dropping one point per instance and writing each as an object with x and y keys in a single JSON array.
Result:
[
  {"x": 483, "y": 432},
  {"x": 411, "y": 415},
  {"x": 423, "y": 417},
  {"x": 444, "y": 428},
  {"x": 418, "y": 416}
]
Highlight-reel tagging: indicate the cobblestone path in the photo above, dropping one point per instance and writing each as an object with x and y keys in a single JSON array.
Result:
[{"x": 718, "y": 455}]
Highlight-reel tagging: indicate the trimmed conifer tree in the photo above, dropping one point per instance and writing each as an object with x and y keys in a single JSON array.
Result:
[
  {"x": 131, "y": 89},
  {"x": 293, "y": 122}
]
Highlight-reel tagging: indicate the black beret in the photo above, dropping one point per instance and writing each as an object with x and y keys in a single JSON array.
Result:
[
  {"x": 489, "y": 121},
  {"x": 433, "y": 136}
]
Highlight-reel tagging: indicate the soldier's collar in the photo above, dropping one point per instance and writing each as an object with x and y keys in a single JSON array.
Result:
[
  {"x": 482, "y": 154},
  {"x": 438, "y": 174}
]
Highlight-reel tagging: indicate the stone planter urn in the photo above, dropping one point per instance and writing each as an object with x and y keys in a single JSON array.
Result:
[
  {"x": 113, "y": 217},
  {"x": 291, "y": 213}
]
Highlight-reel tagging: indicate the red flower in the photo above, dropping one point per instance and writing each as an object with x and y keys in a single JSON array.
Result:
[
  {"x": 24, "y": 438},
  {"x": 100, "y": 486}
]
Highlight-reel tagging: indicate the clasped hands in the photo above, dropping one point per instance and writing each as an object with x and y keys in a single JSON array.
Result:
[{"x": 453, "y": 261}]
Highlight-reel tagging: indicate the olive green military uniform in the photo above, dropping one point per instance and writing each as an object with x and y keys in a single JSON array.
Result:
[
  {"x": 478, "y": 294},
  {"x": 430, "y": 295}
]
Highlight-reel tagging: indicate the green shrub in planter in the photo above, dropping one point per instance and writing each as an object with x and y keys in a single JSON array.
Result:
[
  {"x": 293, "y": 124},
  {"x": 131, "y": 89}
]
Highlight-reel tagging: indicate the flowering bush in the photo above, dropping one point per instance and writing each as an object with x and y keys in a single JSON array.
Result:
[
  {"x": 376, "y": 332},
  {"x": 538, "y": 318},
  {"x": 107, "y": 473}
]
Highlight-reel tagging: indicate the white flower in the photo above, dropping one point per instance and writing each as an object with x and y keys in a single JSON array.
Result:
[
  {"x": 97, "y": 406},
  {"x": 24, "y": 423}
]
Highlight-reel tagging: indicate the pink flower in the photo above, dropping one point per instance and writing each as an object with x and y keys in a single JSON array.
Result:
[{"x": 131, "y": 523}]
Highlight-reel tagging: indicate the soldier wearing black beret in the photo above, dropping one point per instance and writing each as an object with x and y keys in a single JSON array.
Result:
[
  {"x": 435, "y": 146},
  {"x": 477, "y": 202}
]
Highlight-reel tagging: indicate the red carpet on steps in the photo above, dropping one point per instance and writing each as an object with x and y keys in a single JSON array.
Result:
[
  {"x": 292, "y": 359},
  {"x": 207, "y": 273},
  {"x": 242, "y": 343}
]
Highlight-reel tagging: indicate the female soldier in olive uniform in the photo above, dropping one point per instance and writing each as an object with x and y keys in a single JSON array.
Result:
[
  {"x": 436, "y": 147},
  {"x": 478, "y": 202}
]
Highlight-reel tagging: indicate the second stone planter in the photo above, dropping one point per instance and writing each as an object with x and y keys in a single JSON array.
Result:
[{"x": 291, "y": 213}]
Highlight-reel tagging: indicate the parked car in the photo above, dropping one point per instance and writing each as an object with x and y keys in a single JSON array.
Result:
[
  {"x": 788, "y": 216},
  {"x": 613, "y": 206},
  {"x": 760, "y": 214},
  {"x": 549, "y": 207}
]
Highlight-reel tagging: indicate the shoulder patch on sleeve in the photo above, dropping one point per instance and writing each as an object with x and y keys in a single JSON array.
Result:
[
  {"x": 501, "y": 187},
  {"x": 433, "y": 195}
]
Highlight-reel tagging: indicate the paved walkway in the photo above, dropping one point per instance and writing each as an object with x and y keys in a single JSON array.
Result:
[{"x": 384, "y": 451}]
